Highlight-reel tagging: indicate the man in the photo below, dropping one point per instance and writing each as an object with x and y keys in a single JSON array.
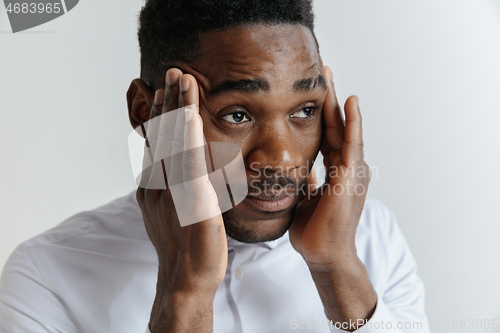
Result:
[{"x": 289, "y": 257}]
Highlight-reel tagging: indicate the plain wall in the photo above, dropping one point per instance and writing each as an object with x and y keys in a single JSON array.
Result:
[{"x": 428, "y": 77}]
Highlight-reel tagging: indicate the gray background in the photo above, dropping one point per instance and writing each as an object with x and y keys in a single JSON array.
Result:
[{"x": 428, "y": 77}]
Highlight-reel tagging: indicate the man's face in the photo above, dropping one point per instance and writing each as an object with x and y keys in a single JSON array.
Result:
[{"x": 262, "y": 88}]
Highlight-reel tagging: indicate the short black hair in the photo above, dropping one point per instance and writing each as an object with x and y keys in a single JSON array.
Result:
[{"x": 169, "y": 30}]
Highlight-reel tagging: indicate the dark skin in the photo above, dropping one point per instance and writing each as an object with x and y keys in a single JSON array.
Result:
[{"x": 280, "y": 121}]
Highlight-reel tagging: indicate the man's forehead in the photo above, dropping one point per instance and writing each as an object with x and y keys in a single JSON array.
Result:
[{"x": 259, "y": 58}]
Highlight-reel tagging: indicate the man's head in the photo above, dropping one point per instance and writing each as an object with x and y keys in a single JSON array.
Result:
[
  {"x": 171, "y": 30},
  {"x": 261, "y": 84}
]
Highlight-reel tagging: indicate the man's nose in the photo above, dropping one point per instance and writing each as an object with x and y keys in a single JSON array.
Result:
[{"x": 274, "y": 149}]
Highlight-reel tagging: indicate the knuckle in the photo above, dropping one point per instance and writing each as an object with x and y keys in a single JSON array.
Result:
[
  {"x": 189, "y": 163},
  {"x": 169, "y": 101}
]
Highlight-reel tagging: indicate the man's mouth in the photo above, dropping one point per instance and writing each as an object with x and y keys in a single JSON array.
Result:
[{"x": 271, "y": 201}]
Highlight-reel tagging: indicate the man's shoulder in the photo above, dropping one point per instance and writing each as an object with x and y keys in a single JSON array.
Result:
[
  {"x": 90, "y": 241},
  {"x": 377, "y": 228},
  {"x": 81, "y": 269},
  {"x": 376, "y": 215},
  {"x": 119, "y": 217}
]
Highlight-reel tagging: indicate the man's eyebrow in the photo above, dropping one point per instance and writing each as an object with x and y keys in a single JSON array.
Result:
[
  {"x": 308, "y": 84},
  {"x": 256, "y": 85},
  {"x": 249, "y": 86}
]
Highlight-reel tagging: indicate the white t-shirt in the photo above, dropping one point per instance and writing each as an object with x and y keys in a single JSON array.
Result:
[{"x": 97, "y": 272}]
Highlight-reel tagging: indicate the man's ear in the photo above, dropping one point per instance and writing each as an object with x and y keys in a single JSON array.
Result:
[{"x": 139, "y": 102}]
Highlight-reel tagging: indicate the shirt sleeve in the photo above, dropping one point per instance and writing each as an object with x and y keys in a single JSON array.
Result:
[
  {"x": 27, "y": 303},
  {"x": 401, "y": 303}
]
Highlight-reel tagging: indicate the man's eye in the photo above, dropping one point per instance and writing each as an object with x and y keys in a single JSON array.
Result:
[
  {"x": 304, "y": 112},
  {"x": 236, "y": 118}
]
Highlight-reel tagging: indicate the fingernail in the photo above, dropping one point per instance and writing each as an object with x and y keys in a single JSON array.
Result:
[
  {"x": 189, "y": 115},
  {"x": 158, "y": 97},
  {"x": 172, "y": 77},
  {"x": 184, "y": 84}
]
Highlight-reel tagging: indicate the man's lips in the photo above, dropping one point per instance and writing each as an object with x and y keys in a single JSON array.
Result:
[{"x": 271, "y": 202}]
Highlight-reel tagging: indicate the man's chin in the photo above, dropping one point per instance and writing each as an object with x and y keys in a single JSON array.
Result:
[{"x": 248, "y": 228}]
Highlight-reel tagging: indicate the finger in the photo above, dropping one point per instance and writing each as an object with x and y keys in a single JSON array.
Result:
[
  {"x": 156, "y": 109},
  {"x": 193, "y": 157},
  {"x": 150, "y": 128},
  {"x": 195, "y": 199},
  {"x": 187, "y": 89},
  {"x": 176, "y": 147},
  {"x": 188, "y": 92},
  {"x": 312, "y": 181},
  {"x": 149, "y": 131},
  {"x": 158, "y": 133},
  {"x": 332, "y": 114},
  {"x": 171, "y": 96},
  {"x": 327, "y": 165},
  {"x": 352, "y": 147},
  {"x": 190, "y": 144},
  {"x": 157, "y": 179}
]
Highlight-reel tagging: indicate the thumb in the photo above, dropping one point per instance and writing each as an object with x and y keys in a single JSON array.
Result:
[{"x": 312, "y": 181}]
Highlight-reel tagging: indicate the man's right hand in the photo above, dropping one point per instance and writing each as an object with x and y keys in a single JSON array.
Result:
[{"x": 193, "y": 258}]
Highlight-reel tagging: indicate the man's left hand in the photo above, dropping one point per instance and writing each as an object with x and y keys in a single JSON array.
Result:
[{"x": 325, "y": 223}]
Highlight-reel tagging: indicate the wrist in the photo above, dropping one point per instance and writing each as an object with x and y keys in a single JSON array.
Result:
[
  {"x": 329, "y": 275},
  {"x": 346, "y": 291},
  {"x": 182, "y": 311},
  {"x": 181, "y": 281},
  {"x": 343, "y": 260}
]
